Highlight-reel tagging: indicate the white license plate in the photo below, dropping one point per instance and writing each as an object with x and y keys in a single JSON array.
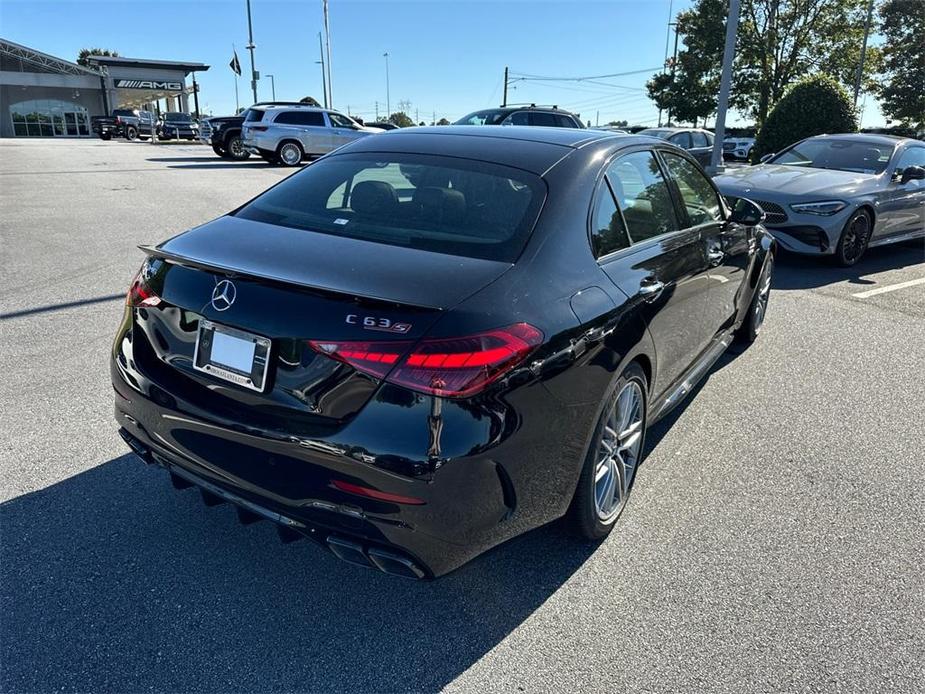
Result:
[{"x": 232, "y": 355}]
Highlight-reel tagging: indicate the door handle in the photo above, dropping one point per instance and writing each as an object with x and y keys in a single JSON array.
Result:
[{"x": 650, "y": 288}]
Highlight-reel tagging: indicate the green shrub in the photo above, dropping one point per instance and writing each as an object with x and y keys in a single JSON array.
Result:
[{"x": 813, "y": 106}]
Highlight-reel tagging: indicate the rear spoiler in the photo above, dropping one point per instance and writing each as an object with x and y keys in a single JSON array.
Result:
[{"x": 185, "y": 261}]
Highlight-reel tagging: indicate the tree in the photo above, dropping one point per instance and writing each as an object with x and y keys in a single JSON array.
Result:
[
  {"x": 87, "y": 52},
  {"x": 778, "y": 42},
  {"x": 310, "y": 100},
  {"x": 401, "y": 119},
  {"x": 902, "y": 91},
  {"x": 812, "y": 106},
  {"x": 619, "y": 123},
  {"x": 443, "y": 121}
]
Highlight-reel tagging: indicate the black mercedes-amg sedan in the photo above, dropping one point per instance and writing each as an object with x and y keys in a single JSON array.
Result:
[{"x": 435, "y": 339}]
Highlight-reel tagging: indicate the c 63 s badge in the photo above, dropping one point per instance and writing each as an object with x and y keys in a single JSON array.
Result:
[{"x": 384, "y": 325}]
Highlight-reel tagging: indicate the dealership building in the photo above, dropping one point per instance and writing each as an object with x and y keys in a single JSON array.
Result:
[{"x": 45, "y": 96}]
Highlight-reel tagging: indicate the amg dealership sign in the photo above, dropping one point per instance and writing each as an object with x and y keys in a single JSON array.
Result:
[{"x": 149, "y": 84}]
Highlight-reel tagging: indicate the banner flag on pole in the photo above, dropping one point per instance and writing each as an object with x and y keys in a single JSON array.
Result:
[{"x": 235, "y": 65}]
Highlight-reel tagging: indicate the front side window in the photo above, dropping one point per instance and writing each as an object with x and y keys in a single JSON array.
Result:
[
  {"x": 340, "y": 121},
  {"x": 914, "y": 156},
  {"x": 699, "y": 196},
  {"x": 490, "y": 117},
  {"x": 699, "y": 139},
  {"x": 544, "y": 119},
  {"x": 438, "y": 204},
  {"x": 642, "y": 194},
  {"x": 682, "y": 140},
  {"x": 608, "y": 234},
  {"x": 517, "y": 118}
]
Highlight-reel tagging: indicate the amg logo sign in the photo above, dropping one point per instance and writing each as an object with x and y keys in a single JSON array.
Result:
[{"x": 149, "y": 84}]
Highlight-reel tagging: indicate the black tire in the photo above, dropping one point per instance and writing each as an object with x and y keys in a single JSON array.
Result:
[
  {"x": 585, "y": 517},
  {"x": 106, "y": 136},
  {"x": 131, "y": 133},
  {"x": 220, "y": 151},
  {"x": 235, "y": 148},
  {"x": 290, "y": 153},
  {"x": 852, "y": 244},
  {"x": 758, "y": 308}
]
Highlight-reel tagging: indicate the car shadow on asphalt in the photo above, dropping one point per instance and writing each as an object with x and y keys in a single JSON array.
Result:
[
  {"x": 794, "y": 271},
  {"x": 112, "y": 581}
]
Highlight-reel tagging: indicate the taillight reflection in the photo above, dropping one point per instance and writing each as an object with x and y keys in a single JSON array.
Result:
[{"x": 140, "y": 294}]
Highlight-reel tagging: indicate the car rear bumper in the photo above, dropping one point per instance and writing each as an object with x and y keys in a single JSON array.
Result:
[{"x": 476, "y": 469}]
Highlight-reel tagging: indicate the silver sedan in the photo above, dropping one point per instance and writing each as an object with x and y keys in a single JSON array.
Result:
[{"x": 838, "y": 195}]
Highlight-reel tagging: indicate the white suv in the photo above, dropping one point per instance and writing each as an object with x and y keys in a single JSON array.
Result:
[{"x": 289, "y": 134}]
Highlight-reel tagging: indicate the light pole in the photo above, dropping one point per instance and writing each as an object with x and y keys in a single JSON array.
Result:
[
  {"x": 251, "y": 47},
  {"x": 388, "y": 99},
  {"x": 272, "y": 85},
  {"x": 324, "y": 80},
  {"x": 732, "y": 24}
]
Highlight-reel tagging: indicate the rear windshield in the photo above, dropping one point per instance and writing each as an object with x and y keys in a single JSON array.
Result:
[
  {"x": 253, "y": 115},
  {"x": 439, "y": 204},
  {"x": 856, "y": 156}
]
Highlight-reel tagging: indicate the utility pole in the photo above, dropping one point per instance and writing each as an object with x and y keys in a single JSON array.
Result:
[
  {"x": 327, "y": 42},
  {"x": 251, "y": 47},
  {"x": 388, "y": 96},
  {"x": 674, "y": 61},
  {"x": 504, "y": 103},
  {"x": 857, "y": 79},
  {"x": 732, "y": 24},
  {"x": 417, "y": 115},
  {"x": 597, "y": 118},
  {"x": 377, "y": 111},
  {"x": 272, "y": 85},
  {"x": 324, "y": 79},
  {"x": 667, "y": 37}
]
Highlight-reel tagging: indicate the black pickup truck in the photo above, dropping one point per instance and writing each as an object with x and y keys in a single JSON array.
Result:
[
  {"x": 128, "y": 123},
  {"x": 226, "y": 131}
]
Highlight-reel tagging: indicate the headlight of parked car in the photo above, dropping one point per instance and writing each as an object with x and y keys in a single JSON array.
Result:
[{"x": 823, "y": 207}]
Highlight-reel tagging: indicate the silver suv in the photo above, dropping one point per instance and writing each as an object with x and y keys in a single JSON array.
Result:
[{"x": 289, "y": 134}]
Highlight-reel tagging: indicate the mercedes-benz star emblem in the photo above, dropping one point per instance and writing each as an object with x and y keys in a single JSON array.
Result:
[{"x": 223, "y": 295}]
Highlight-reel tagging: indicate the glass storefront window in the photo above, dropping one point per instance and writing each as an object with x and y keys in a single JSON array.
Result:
[{"x": 49, "y": 117}]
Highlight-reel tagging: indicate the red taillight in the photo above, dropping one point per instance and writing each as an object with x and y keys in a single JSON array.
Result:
[
  {"x": 375, "y": 493},
  {"x": 140, "y": 294},
  {"x": 451, "y": 367}
]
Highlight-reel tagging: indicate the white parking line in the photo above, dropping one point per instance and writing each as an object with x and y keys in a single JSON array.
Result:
[{"x": 889, "y": 288}]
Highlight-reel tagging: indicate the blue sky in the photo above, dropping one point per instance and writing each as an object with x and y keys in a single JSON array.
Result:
[{"x": 446, "y": 56}]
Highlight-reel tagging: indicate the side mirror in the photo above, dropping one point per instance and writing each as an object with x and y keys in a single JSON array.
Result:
[
  {"x": 912, "y": 173},
  {"x": 746, "y": 212},
  {"x": 767, "y": 157}
]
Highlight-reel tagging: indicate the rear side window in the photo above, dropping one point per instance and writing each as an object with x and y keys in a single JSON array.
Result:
[
  {"x": 700, "y": 199},
  {"x": 699, "y": 139},
  {"x": 253, "y": 115},
  {"x": 445, "y": 205},
  {"x": 608, "y": 234},
  {"x": 642, "y": 194},
  {"x": 301, "y": 118},
  {"x": 518, "y": 118},
  {"x": 682, "y": 140},
  {"x": 544, "y": 119}
]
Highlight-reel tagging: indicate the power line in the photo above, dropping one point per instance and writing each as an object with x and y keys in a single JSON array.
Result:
[{"x": 527, "y": 76}]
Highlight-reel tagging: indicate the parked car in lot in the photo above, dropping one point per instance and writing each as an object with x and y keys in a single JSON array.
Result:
[
  {"x": 225, "y": 136},
  {"x": 412, "y": 370},
  {"x": 178, "y": 126},
  {"x": 128, "y": 123},
  {"x": 523, "y": 114},
  {"x": 739, "y": 148},
  {"x": 696, "y": 141},
  {"x": 838, "y": 195},
  {"x": 288, "y": 134}
]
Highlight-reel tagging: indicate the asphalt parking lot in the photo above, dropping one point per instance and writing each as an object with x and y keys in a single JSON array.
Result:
[{"x": 774, "y": 541}]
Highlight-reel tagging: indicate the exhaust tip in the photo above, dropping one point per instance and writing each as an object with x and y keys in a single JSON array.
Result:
[
  {"x": 348, "y": 551},
  {"x": 395, "y": 564}
]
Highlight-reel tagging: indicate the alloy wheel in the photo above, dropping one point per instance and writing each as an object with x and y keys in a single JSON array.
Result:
[
  {"x": 764, "y": 292},
  {"x": 236, "y": 148},
  {"x": 856, "y": 236},
  {"x": 290, "y": 154},
  {"x": 618, "y": 452}
]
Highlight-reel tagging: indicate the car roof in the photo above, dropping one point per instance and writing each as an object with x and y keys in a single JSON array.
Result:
[
  {"x": 674, "y": 129},
  {"x": 525, "y": 107},
  {"x": 287, "y": 107},
  {"x": 531, "y": 148}
]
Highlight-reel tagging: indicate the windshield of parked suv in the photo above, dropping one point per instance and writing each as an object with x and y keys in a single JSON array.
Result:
[
  {"x": 856, "y": 156},
  {"x": 440, "y": 204},
  {"x": 178, "y": 118},
  {"x": 490, "y": 117}
]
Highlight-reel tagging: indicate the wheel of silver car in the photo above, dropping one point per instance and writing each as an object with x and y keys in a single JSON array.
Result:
[
  {"x": 612, "y": 460},
  {"x": 235, "y": 148},
  {"x": 290, "y": 153},
  {"x": 854, "y": 239}
]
